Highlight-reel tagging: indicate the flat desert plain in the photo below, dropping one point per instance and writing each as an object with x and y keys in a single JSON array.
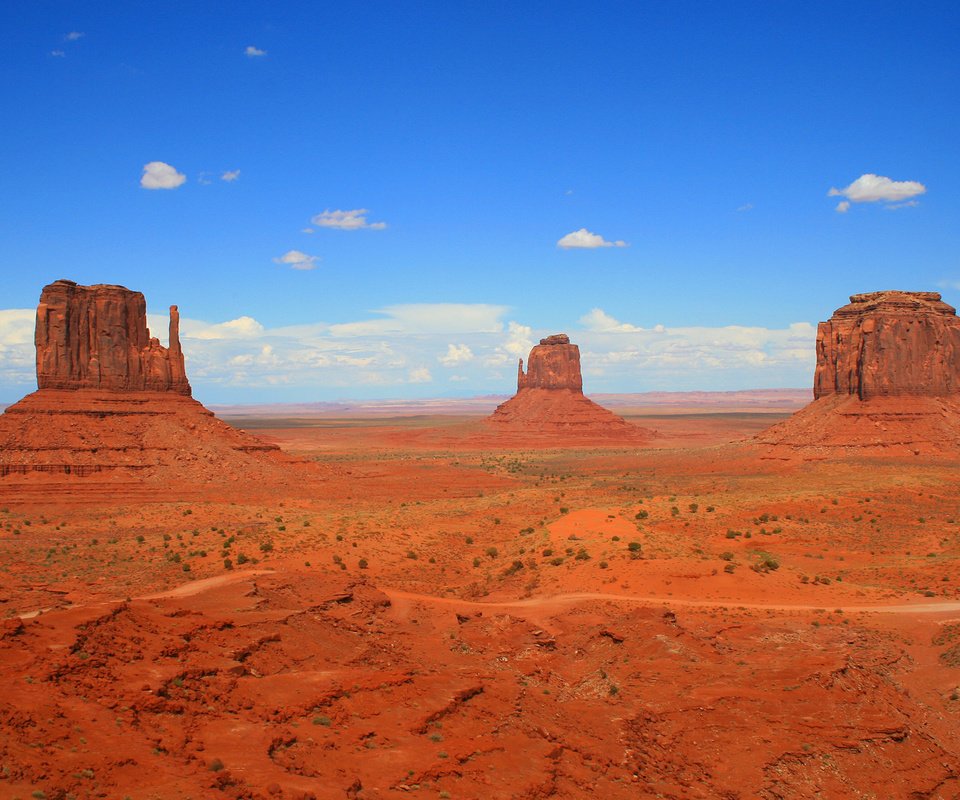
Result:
[{"x": 420, "y": 608}]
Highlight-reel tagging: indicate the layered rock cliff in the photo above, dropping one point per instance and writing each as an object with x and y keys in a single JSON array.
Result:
[
  {"x": 886, "y": 344},
  {"x": 96, "y": 337},
  {"x": 552, "y": 364}
]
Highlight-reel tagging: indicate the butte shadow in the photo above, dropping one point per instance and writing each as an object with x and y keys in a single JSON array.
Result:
[
  {"x": 550, "y": 408},
  {"x": 887, "y": 382},
  {"x": 113, "y": 402}
]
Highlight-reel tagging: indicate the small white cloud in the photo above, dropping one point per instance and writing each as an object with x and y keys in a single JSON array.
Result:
[
  {"x": 870, "y": 188},
  {"x": 239, "y": 328},
  {"x": 456, "y": 354},
  {"x": 904, "y": 204},
  {"x": 346, "y": 220},
  {"x": 73, "y": 36},
  {"x": 599, "y": 320},
  {"x": 298, "y": 260},
  {"x": 254, "y": 52},
  {"x": 158, "y": 175},
  {"x": 568, "y": 192},
  {"x": 585, "y": 240},
  {"x": 420, "y": 375},
  {"x": 58, "y": 54},
  {"x": 230, "y": 175},
  {"x": 306, "y": 230},
  {"x": 843, "y": 207},
  {"x": 746, "y": 207}
]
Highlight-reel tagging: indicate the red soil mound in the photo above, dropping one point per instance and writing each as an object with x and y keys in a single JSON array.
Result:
[
  {"x": 894, "y": 426},
  {"x": 149, "y": 434}
]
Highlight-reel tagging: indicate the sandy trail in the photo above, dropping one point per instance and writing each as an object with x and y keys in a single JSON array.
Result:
[
  {"x": 402, "y": 600},
  {"x": 557, "y": 602}
]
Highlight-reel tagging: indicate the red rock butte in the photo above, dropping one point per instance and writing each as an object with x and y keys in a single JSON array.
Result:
[
  {"x": 113, "y": 401},
  {"x": 96, "y": 337},
  {"x": 550, "y": 404},
  {"x": 887, "y": 380}
]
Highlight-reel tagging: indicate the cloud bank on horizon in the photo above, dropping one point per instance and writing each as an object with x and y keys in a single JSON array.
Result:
[{"x": 432, "y": 349}]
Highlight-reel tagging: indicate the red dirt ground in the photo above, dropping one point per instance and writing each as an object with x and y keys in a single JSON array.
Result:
[{"x": 427, "y": 612}]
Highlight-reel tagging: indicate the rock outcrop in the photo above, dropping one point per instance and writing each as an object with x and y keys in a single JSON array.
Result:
[
  {"x": 550, "y": 406},
  {"x": 887, "y": 381},
  {"x": 553, "y": 364},
  {"x": 96, "y": 337},
  {"x": 885, "y": 344},
  {"x": 113, "y": 402}
]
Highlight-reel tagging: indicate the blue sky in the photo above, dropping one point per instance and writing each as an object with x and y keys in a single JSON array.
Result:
[{"x": 704, "y": 137}]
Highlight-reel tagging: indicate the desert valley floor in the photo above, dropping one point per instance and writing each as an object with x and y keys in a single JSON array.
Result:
[{"x": 422, "y": 610}]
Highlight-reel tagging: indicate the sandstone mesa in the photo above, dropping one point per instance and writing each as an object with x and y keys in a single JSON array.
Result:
[
  {"x": 113, "y": 401},
  {"x": 887, "y": 381}
]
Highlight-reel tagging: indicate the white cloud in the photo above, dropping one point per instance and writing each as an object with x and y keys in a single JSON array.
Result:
[
  {"x": 230, "y": 175},
  {"x": 17, "y": 326},
  {"x": 427, "y": 318},
  {"x": 298, "y": 260},
  {"x": 306, "y": 230},
  {"x": 346, "y": 220},
  {"x": 519, "y": 340},
  {"x": 73, "y": 36},
  {"x": 746, "y": 207},
  {"x": 17, "y": 360},
  {"x": 254, "y": 52},
  {"x": 420, "y": 375},
  {"x": 58, "y": 54},
  {"x": 456, "y": 354},
  {"x": 599, "y": 320},
  {"x": 158, "y": 175},
  {"x": 870, "y": 188},
  {"x": 843, "y": 207},
  {"x": 585, "y": 240}
]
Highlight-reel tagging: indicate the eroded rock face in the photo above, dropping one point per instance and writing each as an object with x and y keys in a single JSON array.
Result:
[
  {"x": 553, "y": 364},
  {"x": 889, "y": 344},
  {"x": 96, "y": 337}
]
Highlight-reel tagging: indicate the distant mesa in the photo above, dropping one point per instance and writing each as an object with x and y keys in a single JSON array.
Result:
[
  {"x": 887, "y": 380},
  {"x": 550, "y": 404},
  {"x": 113, "y": 401}
]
